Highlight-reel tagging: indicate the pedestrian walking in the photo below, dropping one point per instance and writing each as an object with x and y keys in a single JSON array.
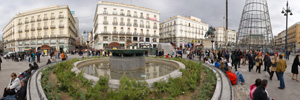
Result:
[
  {"x": 281, "y": 66},
  {"x": 258, "y": 63},
  {"x": 267, "y": 62},
  {"x": 274, "y": 68},
  {"x": 38, "y": 56},
  {"x": 251, "y": 61},
  {"x": 295, "y": 65},
  {"x": 0, "y": 62},
  {"x": 287, "y": 55}
]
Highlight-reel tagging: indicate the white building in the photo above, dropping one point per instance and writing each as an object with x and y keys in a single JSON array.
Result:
[
  {"x": 183, "y": 31},
  {"x": 52, "y": 26},
  {"x": 221, "y": 37},
  {"x": 117, "y": 22}
]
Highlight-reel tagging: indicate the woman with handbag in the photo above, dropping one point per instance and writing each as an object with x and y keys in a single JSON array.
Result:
[
  {"x": 258, "y": 63},
  {"x": 274, "y": 68}
]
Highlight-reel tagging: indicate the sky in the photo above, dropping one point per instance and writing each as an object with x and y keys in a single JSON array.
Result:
[{"x": 209, "y": 11}]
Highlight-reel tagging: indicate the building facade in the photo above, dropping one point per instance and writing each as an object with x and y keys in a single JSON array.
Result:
[
  {"x": 293, "y": 40},
  {"x": 131, "y": 26},
  {"x": 221, "y": 37},
  {"x": 183, "y": 31},
  {"x": 52, "y": 26}
]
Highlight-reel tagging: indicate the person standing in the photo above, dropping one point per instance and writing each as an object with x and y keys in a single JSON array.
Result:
[
  {"x": 258, "y": 63},
  {"x": 234, "y": 59},
  {"x": 288, "y": 55},
  {"x": 33, "y": 57},
  {"x": 251, "y": 61},
  {"x": 268, "y": 62},
  {"x": 38, "y": 56},
  {"x": 281, "y": 66},
  {"x": 274, "y": 68},
  {"x": 63, "y": 56},
  {"x": 295, "y": 65}
]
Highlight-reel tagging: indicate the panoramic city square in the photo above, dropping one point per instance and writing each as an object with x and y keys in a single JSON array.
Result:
[{"x": 149, "y": 50}]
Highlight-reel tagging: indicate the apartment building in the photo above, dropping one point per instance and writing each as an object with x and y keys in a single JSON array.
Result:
[{"x": 221, "y": 37}]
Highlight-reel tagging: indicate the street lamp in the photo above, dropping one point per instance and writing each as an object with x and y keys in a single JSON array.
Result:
[
  {"x": 212, "y": 42},
  {"x": 286, "y": 13}
]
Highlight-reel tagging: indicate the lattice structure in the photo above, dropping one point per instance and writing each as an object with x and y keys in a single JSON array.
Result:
[{"x": 255, "y": 29}]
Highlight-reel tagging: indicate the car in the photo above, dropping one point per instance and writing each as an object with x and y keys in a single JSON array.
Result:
[{"x": 8, "y": 55}]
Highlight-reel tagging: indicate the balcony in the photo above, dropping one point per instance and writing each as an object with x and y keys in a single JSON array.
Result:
[
  {"x": 39, "y": 36},
  {"x": 20, "y": 31},
  {"x": 39, "y": 19},
  {"x": 52, "y": 35},
  {"x": 61, "y": 26},
  {"x": 26, "y": 30},
  {"x": 32, "y": 20},
  {"x": 147, "y": 26},
  {"x": 122, "y": 24},
  {"x": 105, "y": 23},
  {"x": 61, "y": 16},
  {"x": 32, "y": 29},
  {"x": 142, "y": 26},
  {"x": 52, "y": 17},
  {"x": 122, "y": 14},
  {"x": 142, "y": 17},
  {"x": 115, "y": 32},
  {"x": 115, "y": 23},
  {"x": 115, "y": 13},
  {"x": 122, "y": 33},
  {"x": 45, "y": 18},
  {"x": 52, "y": 26},
  {"x": 46, "y": 27},
  {"x": 135, "y": 25},
  {"x": 46, "y": 36},
  {"x": 26, "y": 21},
  {"x": 135, "y": 16},
  {"x": 128, "y": 24},
  {"x": 154, "y": 27},
  {"x": 129, "y": 15},
  {"x": 20, "y": 23},
  {"x": 39, "y": 28},
  {"x": 105, "y": 33},
  {"x": 105, "y": 12}
]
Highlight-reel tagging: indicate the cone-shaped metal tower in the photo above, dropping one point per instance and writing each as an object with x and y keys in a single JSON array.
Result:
[{"x": 255, "y": 29}]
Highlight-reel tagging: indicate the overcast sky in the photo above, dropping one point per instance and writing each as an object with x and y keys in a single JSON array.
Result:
[{"x": 210, "y": 11}]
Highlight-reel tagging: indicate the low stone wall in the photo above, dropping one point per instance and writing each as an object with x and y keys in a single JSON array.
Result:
[{"x": 113, "y": 83}]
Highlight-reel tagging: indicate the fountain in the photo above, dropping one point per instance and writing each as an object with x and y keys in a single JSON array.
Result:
[{"x": 133, "y": 64}]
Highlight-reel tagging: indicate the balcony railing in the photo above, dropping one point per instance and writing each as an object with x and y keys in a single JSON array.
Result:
[
  {"x": 26, "y": 21},
  {"x": 142, "y": 17},
  {"x": 129, "y": 24},
  {"x": 105, "y": 23},
  {"x": 155, "y": 27},
  {"x": 26, "y": 30},
  {"x": 122, "y": 33},
  {"x": 115, "y": 32},
  {"x": 61, "y": 26},
  {"x": 32, "y": 20},
  {"x": 105, "y": 12},
  {"x": 46, "y": 27},
  {"x": 39, "y": 19},
  {"x": 142, "y": 26},
  {"x": 115, "y": 23},
  {"x": 129, "y": 15},
  {"x": 45, "y": 18},
  {"x": 39, "y": 28},
  {"x": 61, "y": 16},
  {"x": 135, "y": 25},
  {"x": 147, "y": 26},
  {"x": 115, "y": 13},
  {"x": 52, "y": 26},
  {"x": 20, "y": 23},
  {"x": 52, "y": 17},
  {"x": 135, "y": 16},
  {"x": 46, "y": 36},
  {"x": 32, "y": 29},
  {"x": 122, "y": 24},
  {"x": 122, "y": 14},
  {"x": 52, "y": 35},
  {"x": 20, "y": 31},
  {"x": 105, "y": 33}
]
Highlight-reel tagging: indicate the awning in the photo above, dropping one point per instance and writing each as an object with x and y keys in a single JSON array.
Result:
[{"x": 45, "y": 47}]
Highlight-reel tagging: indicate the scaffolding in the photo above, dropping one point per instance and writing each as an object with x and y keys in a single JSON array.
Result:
[{"x": 255, "y": 31}]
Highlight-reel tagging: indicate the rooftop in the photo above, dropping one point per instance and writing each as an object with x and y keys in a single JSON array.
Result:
[{"x": 128, "y": 5}]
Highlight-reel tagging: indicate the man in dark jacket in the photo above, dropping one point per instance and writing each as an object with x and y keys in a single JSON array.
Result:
[
  {"x": 260, "y": 92},
  {"x": 21, "y": 94},
  {"x": 251, "y": 60},
  {"x": 267, "y": 62}
]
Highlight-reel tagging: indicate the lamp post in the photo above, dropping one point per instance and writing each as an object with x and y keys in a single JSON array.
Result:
[
  {"x": 286, "y": 11},
  {"x": 212, "y": 42}
]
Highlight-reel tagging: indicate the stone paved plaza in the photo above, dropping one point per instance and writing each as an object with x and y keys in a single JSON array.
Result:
[{"x": 9, "y": 66}]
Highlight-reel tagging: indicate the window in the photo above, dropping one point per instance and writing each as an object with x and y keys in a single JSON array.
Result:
[
  {"x": 122, "y": 12},
  {"x": 142, "y": 22},
  {"x": 141, "y": 31},
  {"x": 128, "y": 20},
  {"x": 61, "y": 31},
  {"x": 154, "y": 16},
  {"x": 115, "y": 29},
  {"x": 26, "y": 27},
  {"x": 105, "y": 10},
  {"x": 52, "y": 23},
  {"x": 115, "y": 19},
  {"x": 147, "y": 23},
  {"x": 45, "y": 24},
  {"x": 134, "y": 38},
  {"x": 128, "y": 13},
  {"x": 122, "y": 29},
  {"x": 52, "y": 32},
  {"x": 105, "y": 38},
  {"x": 32, "y": 17},
  {"x": 32, "y": 25},
  {"x": 105, "y": 28},
  {"x": 32, "y": 34},
  {"x": 39, "y": 24},
  {"x": 142, "y": 14},
  {"x": 39, "y": 33},
  {"x": 61, "y": 22},
  {"x": 135, "y": 14},
  {"x": 52, "y": 15},
  {"x": 174, "y": 22},
  {"x": 115, "y": 11},
  {"x": 20, "y": 20},
  {"x": 45, "y": 16},
  {"x": 135, "y": 22},
  {"x": 45, "y": 33},
  {"x": 105, "y": 18},
  {"x": 147, "y": 15},
  {"x": 60, "y": 13},
  {"x": 135, "y": 30},
  {"x": 128, "y": 29},
  {"x": 147, "y": 40}
]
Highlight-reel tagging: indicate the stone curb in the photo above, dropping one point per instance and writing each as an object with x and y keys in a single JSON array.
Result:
[
  {"x": 113, "y": 83},
  {"x": 223, "y": 90}
]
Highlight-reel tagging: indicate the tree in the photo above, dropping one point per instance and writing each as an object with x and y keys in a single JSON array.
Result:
[{"x": 211, "y": 31}]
